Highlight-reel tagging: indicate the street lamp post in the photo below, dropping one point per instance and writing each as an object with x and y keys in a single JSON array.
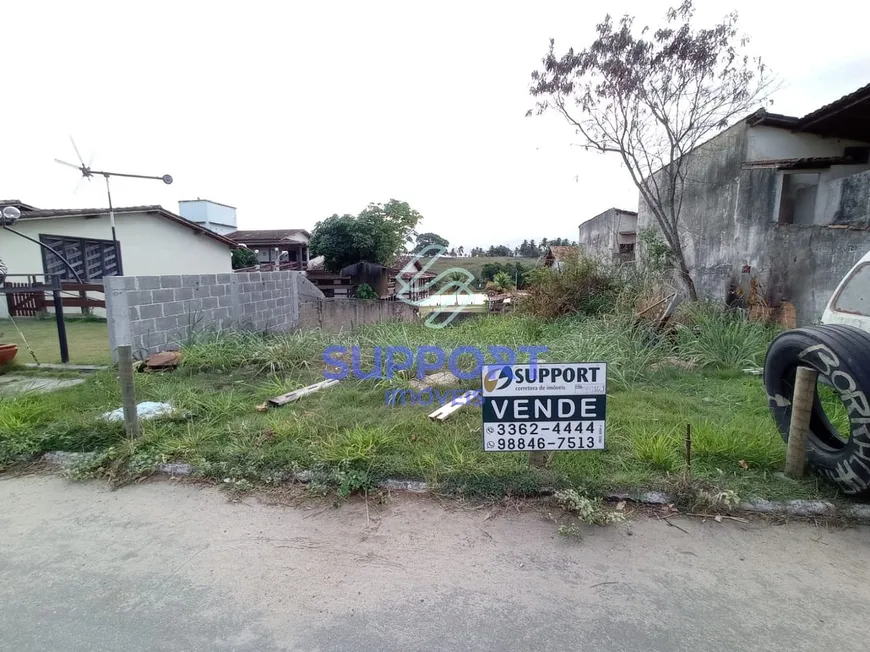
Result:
[{"x": 9, "y": 215}]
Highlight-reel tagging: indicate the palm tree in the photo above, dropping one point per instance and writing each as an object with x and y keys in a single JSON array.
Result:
[{"x": 501, "y": 282}]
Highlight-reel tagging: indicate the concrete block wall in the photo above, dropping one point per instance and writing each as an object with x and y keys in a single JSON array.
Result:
[
  {"x": 338, "y": 315},
  {"x": 160, "y": 313}
]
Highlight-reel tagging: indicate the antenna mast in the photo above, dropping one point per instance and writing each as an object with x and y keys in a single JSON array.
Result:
[{"x": 88, "y": 173}]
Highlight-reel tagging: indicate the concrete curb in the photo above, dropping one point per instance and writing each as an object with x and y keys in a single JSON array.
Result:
[{"x": 802, "y": 508}]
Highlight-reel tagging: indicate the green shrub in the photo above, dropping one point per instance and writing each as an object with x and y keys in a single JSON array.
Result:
[
  {"x": 364, "y": 291},
  {"x": 582, "y": 286}
]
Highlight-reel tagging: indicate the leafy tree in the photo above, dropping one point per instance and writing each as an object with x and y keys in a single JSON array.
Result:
[
  {"x": 426, "y": 239},
  {"x": 243, "y": 258},
  {"x": 377, "y": 235},
  {"x": 515, "y": 271},
  {"x": 453, "y": 252},
  {"x": 500, "y": 250},
  {"x": 461, "y": 250},
  {"x": 653, "y": 96}
]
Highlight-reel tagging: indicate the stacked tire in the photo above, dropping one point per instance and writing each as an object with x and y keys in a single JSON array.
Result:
[{"x": 841, "y": 355}]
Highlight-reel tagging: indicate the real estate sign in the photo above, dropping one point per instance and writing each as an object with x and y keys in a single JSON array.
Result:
[{"x": 544, "y": 407}]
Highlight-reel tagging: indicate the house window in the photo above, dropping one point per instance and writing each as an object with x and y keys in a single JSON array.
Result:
[
  {"x": 92, "y": 259},
  {"x": 797, "y": 202},
  {"x": 626, "y": 253}
]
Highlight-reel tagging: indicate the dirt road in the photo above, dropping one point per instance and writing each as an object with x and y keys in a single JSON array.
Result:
[{"x": 163, "y": 566}]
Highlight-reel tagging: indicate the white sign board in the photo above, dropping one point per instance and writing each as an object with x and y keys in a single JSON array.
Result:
[{"x": 544, "y": 407}]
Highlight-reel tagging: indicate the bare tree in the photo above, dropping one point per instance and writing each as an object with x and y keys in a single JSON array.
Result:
[{"x": 653, "y": 97}]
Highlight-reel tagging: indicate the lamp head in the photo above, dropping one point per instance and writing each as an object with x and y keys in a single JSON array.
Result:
[{"x": 10, "y": 215}]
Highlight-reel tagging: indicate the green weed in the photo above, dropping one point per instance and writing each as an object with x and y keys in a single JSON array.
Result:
[
  {"x": 587, "y": 510},
  {"x": 713, "y": 336}
]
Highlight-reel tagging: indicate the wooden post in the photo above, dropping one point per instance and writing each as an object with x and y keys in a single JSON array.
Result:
[
  {"x": 86, "y": 311},
  {"x": 128, "y": 392},
  {"x": 799, "y": 429}
]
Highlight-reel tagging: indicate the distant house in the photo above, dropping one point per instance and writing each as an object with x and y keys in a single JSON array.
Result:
[
  {"x": 277, "y": 246},
  {"x": 610, "y": 237},
  {"x": 557, "y": 255},
  {"x": 151, "y": 241},
  {"x": 383, "y": 279},
  {"x": 333, "y": 286}
]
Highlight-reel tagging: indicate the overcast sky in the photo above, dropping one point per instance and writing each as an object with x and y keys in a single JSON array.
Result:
[{"x": 294, "y": 111}]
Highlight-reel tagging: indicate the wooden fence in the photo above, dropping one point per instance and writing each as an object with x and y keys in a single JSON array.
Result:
[{"x": 34, "y": 302}]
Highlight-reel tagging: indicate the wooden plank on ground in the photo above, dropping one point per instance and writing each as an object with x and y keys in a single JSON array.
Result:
[
  {"x": 295, "y": 395},
  {"x": 449, "y": 408}
]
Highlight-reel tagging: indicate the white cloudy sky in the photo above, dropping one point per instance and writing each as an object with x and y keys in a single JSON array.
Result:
[{"x": 293, "y": 111}]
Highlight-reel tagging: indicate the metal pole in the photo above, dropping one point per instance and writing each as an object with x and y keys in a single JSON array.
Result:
[
  {"x": 58, "y": 315},
  {"x": 128, "y": 390},
  {"x": 799, "y": 429},
  {"x": 112, "y": 222}
]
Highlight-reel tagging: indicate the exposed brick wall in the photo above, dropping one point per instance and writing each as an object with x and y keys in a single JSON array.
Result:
[{"x": 158, "y": 313}]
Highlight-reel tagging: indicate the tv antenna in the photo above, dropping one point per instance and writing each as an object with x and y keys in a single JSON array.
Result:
[{"x": 88, "y": 173}]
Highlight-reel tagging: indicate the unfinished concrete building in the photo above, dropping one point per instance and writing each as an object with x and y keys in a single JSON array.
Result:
[
  {"x": 785, "y": 200},
  {"x": 610, "y": 237}
]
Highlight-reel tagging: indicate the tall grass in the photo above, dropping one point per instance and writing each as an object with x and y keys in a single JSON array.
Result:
[
  {"x": 712, "y": 335},
  {"x": 233, "y": 349},
  {"x": 627, "y": 347},
  {"x": 707, "y": 334}
]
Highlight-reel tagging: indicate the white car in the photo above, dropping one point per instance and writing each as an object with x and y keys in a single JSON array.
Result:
[{"x": 850, "y": 303}]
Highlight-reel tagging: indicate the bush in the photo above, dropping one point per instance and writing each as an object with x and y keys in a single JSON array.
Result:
[
  {"x": 364, "y": 291},
  {"x": 582, "y": 286},
  {"x": 243, "y": 258}
]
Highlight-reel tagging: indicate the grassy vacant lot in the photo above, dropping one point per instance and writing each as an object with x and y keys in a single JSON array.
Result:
[
  {"x": 88, "y": 339},
  {"x": 349, "y": 438}
]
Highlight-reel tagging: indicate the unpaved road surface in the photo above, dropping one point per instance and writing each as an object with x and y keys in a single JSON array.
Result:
[{"x": 167, "y": 566}]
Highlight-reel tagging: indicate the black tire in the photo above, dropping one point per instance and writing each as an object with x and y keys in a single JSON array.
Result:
[{"x": 841, "y": 355}]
